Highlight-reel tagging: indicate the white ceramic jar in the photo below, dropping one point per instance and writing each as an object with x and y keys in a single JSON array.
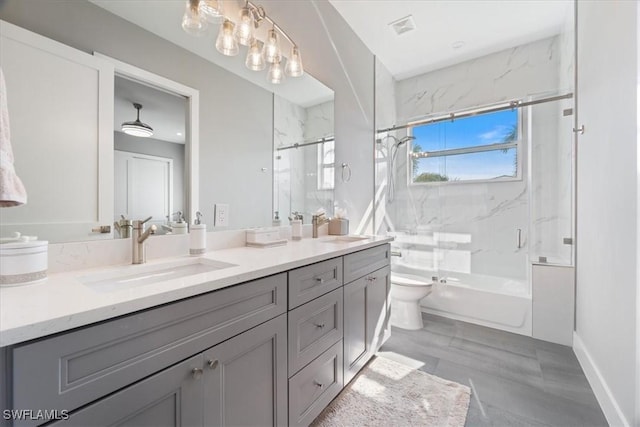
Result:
[{"x": 23, "y": 263}]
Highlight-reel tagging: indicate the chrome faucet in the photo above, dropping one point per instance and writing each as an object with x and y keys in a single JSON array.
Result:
[
  {"x": 316, "y": 222},
  {"x": 139, "y": 255}
]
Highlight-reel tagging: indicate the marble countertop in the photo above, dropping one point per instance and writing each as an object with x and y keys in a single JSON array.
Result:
[{"x": 64, "y": 301}]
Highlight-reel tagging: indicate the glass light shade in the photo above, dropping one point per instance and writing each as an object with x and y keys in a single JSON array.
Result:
[
  {"x": 246, "y": 26},
  {"x": 255, "y": 59},
  {"x": 192, "y": 21},
  {"x": 137, "y": 129},
  {"x": 226, "y": 43},
  {"x": 272, "y": 47},
  {"x": 294, "y": 63},
  {"x": 276, "y": 73},
  {"x": 212, "y": 10}
]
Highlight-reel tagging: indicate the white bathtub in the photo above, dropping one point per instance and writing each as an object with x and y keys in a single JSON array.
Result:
[{"x": 492, "y": 301}]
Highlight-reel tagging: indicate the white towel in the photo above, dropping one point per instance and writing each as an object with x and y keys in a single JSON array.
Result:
[{"x": 12, "y": 192}]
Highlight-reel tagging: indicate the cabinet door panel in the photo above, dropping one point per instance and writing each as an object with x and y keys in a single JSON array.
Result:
[
  {"x": 172, "y": 397},
  {"x": 355, "y": 328},
  {"x": 246, "y": 378},
  {"x": 365, "y": 319}
]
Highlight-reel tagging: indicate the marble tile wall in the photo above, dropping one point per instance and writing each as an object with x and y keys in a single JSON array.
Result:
[{"x": 473, "y": 227}]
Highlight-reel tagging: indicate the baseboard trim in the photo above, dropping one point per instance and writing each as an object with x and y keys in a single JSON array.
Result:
[{"x": 603, "y": 393}]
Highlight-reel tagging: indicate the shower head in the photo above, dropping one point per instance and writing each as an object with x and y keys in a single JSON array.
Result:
[
  {"x": 405, "y": 140},
  {"x": 397, "y": 142}
]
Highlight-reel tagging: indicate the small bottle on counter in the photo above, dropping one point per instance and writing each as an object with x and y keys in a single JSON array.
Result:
[
  {"x": 296, "y": 226},
  {"x": 198, "y": 237}
]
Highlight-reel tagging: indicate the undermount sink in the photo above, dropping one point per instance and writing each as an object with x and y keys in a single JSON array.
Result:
[
  {"x": 344, "y": 239},
  {"x": 140, "y": 275}
]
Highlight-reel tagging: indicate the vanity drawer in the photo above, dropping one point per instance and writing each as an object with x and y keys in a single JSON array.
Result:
[
  {"x": 313, "y": 328},
  {"x": 359, "y": 264},
  {"x": 312, "y": 281},
  {"x": 75, "y": 368},
  {"x": 314, "y": 387}
]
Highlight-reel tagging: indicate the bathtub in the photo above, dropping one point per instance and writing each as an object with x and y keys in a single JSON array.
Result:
[{"x": 492, "y": 301}]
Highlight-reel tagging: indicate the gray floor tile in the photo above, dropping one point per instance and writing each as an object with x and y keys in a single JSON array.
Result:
[{"x": 516, "y": 380}]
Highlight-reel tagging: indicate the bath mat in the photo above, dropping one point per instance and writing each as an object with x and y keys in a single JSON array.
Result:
[{"x": 389, "y": 393}]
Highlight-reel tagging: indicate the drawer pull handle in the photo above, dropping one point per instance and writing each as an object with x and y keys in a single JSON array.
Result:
[
  {"x": 196, "y": 373},
  {"x": 320, "y": 385},
  {"x": 213, "y": 364},
  {"x": 320, "y": 280},
  {"x": 372, "y": 279},
  {"x": 319, "y": 325}
]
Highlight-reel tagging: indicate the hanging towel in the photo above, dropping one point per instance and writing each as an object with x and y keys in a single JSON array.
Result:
[{"x": 12, "y": 192}]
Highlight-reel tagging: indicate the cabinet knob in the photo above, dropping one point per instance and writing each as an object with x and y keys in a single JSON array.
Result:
[
  {"x": 318, "y": 384},
  {"x": 213, "y": 364},
  {"x": 196, "y": 373}
]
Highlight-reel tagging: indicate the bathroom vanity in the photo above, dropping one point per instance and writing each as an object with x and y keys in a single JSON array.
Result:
[{"x": 269, "y": 338}]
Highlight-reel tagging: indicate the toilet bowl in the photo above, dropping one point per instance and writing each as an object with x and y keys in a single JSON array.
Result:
[{"x": 406, "y": 292}]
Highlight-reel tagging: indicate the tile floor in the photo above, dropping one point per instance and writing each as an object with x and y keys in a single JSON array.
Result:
[{"x": 515, "y": 380}]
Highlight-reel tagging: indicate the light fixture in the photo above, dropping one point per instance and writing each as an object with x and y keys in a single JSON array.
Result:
[
  {"x": 272, "y": 47},
  {"x": 212, "y": 10},
  {"x": 136, "y": 127},
  {"x": 242, "y": 30},
  {"x": 193, "y": 22},
  {"x": 246, "y": 26},
  {"x": 294, "y": 63},
  {"x": 226, "y": 42},
  {"x": 255, "y": 59},
  {"x": 276, "y": 74}
]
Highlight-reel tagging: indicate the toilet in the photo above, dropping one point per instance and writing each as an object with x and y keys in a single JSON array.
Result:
[{"x": 406, "y": 292}]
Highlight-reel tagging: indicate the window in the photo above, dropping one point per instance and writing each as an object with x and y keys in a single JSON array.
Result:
[
  {"x": 476, "y": 148},
  {"x": 326, "y": 165}
]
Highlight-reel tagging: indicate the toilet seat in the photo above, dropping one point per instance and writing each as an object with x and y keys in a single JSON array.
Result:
[{"x": 408, "y": 280}]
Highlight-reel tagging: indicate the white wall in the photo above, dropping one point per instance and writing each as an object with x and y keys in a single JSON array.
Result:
[{"x": 607, "y": 211}]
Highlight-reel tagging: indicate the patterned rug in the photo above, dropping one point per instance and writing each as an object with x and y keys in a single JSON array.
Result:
[{"x": 389, "y": 393}]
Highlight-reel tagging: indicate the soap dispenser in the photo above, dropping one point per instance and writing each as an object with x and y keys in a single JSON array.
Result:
[
  {"x": 296, "y": 226},
  {"x": 180, "y": 226},
  {"x": 198, "y": 236}
]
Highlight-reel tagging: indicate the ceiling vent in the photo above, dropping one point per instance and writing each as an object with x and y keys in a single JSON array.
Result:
[{"x": 402, "y": 25}]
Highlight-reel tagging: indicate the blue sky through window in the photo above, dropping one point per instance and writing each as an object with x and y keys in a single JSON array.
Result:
[{"x": 484, "y": 129}]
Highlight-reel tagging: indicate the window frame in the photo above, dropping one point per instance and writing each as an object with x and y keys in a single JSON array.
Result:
[
  {"x": 322, "y": 166},
  {"x": 518, "y": 144}
]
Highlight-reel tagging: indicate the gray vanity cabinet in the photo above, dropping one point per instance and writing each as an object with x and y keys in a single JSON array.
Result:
[
  {"x": 366, "y": 312},
  {"x": 245, "y": 378},
  {"x": 172, "y": 397}
]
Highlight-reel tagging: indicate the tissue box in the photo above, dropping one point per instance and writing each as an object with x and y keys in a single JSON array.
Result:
[
  {"x": 263, "y": 235},
  {"x": 338, "y": 226},
  {"x": 23, "y": 263}
]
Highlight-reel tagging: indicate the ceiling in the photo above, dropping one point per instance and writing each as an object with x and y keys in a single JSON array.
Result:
[
  {"x": 480, "y": 26},
  {"x": 163, "y": 111}
]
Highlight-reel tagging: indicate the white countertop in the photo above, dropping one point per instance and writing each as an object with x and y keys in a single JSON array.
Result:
[{"x": 63, "y": 302}]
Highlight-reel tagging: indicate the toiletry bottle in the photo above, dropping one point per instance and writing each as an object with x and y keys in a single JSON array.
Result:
[
  {"x": 296, "y": 226},
  {"x": 276, "y": 219},
  {"x": 198, "y": 237},
  {"x": 180, "y": 226}
]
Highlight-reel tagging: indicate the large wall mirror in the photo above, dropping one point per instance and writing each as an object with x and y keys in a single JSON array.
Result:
[
  {"x": 82, "y": 172},
  {"x": 304, "y": 160}
]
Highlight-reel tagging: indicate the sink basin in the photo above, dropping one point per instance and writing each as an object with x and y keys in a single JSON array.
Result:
[
  {"x": 344, "y": 239},
  {"x": 140, "y": 275}
]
